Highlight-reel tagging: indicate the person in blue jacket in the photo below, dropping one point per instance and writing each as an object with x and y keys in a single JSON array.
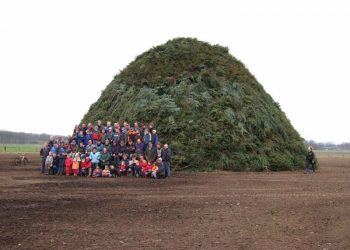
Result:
[
  {"x": 62, "y": 155},
  {"x": 87, "y": 137},
  {"x": 80, "y": 138}
]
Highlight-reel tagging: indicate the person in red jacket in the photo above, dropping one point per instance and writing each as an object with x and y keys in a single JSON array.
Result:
[
  {"x": 148, "y": 169},
  {"x": 143, "y": 164},
  {"x": 68, "y": 163},
  {"x": 86, "y": 166},
  {"x": 122, "y": 168},
  {"x": 96, "y": 135}
]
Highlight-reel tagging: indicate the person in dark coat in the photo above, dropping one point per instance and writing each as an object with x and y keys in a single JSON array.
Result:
[
  {"x": 151, "y": 153},
  {"x": 44, "y": 152},
  {"x": 166, "y": 157},
  {"x": 310, "y": 160}
]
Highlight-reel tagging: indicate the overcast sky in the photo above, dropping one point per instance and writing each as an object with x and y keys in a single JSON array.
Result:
[{"x": 57, "y": 56}]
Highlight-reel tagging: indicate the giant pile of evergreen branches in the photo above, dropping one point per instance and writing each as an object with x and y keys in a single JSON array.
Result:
[{"x": 206, "y": 105}]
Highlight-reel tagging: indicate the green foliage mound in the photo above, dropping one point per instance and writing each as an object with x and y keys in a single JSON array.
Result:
[{"x": 206, "y": 105}]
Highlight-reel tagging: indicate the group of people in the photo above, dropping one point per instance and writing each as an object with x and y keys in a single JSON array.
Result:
[{"x": 107, "y": 151}]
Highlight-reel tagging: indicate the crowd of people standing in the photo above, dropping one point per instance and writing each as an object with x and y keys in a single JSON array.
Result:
[{"x": 107, "y": 151}]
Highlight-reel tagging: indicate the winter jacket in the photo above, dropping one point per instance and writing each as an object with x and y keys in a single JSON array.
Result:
[
  {"x": 81, "y": 150},
  {"x": 147, "y": 138},
  {"x": 123, "y": 138},
  {"x": 139, "y": 148},
  {"x": 113, "y": 150},
  {"x": 151, "y": 154},
  {"x": 89, "y": 148},
  {"x": 44, "y": 152},
  {"x": 62, "y": 153},
  {"x": 49, "y": 160},
  {"x": 154, "y": 168},
  {"x": 122, "y": 150},
  {"x": 80, "y": 138},
  {"x": 310, "y": 157},
  {"x": 105, "y": 159},
  {"x": 166, "y": 155},
  {"x": 97, "y": 172},
  {"x": 96, "y": 136},
  {"x": 53, "y": 149},
  {"x": 73, "y": 148},
  {"x": 87, "y": 137},
  {"x": 55, "y": 161},
  {"x": 154, "y": 139},
  {"x": 68, "y": 162},
  {"x": 86, "y": 164},
  {"x": 130, "y": 149},
  {"x": 116, "y": 138},
  {"x": 122, "y": 167},
  {"x": 100, "y": 147},
  {"x": 76, "y": 162},
  {"x": 95, "y": 157}
]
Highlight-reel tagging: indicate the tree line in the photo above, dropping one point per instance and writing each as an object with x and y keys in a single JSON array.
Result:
[
  {"x": 328, "y": 145},
  {"x": 9, "y": 137}
]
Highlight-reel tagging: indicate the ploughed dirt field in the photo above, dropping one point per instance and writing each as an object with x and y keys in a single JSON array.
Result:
[{"x": 220, "y": 210}]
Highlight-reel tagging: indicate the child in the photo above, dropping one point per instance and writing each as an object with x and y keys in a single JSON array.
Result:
[
  {"x": 97, "y": 172},
  {"x": 95, "y": 159},
  {"x": 154, "y": 171},
  {"x": 132, "y": 165},
  {"x": 54, "y": 167},
  {"x": 113, "y": 170},
  {"x": 137, "y": 169},
  {"x": 48, "y": 161},
  {"x": 86, "y": 167},
  {"x": 148, "y": 169},
  {"x": 106, "y": 172},
  {"x": 122, "y": 168},
  {"x": 126, "y": 160},
  {"x": 143, "y": 164},
  {"x": 76, "y": 162},
  {"x": 68, "y": 163}
]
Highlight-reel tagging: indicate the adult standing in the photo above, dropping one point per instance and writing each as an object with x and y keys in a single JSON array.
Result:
[
  {"x": 166, "y": 157},
  {"x": 51, "y": 141},
  {"x": 44, "y": 152},
  {"x": 310, "y": 160},
  {"x": 62, "y": 155}
]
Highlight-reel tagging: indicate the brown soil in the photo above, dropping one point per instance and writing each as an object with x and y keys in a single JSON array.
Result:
[{"x": 221, "y": 210}]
